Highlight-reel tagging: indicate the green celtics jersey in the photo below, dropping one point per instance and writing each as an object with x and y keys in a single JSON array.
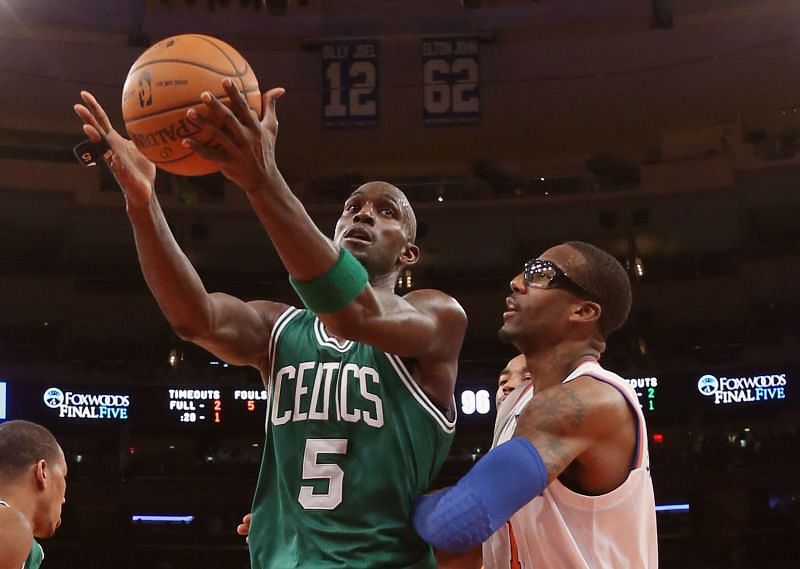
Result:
[{"x": 351, "y": 440}]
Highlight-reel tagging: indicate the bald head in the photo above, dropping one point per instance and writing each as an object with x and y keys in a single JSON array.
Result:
[{"x": 397, "y": 195}]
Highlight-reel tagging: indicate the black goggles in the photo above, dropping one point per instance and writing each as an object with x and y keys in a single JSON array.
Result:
[{"x": 540, "y": 273}]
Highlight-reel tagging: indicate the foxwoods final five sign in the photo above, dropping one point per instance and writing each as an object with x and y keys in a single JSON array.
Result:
[{"x": 743, "y": 389}]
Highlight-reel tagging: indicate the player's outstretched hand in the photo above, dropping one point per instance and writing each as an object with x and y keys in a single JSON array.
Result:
[
  {"x": 134, "y": 173},
  {"x": 241, "y": 143},
  {"x": 244, "y": 527}
]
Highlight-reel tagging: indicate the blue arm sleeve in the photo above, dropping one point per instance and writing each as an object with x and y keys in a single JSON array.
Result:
[{"x": 465, "y": 515}]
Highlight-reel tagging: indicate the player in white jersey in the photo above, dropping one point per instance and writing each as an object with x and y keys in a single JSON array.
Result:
[{"x": 568, "y": 484}]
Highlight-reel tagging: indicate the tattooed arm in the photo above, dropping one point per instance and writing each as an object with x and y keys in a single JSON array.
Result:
[
  {"x": 580, "y": 429},
  {"x": 570, "y": 422}
]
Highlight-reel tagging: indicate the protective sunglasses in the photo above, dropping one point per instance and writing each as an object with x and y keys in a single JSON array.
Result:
[{"x": 546, "y": 274}]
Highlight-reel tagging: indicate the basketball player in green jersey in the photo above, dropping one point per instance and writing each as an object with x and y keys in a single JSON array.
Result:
[
  {"x": 360, "y": 409},
  {"x": 32, "y": 485}
]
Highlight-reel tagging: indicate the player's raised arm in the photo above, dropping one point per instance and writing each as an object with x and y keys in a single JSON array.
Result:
[
  {"x": 348, "y": 281},
  {"x": 233, "y": 330}
]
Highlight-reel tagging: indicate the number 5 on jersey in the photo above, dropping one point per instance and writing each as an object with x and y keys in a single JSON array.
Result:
[{"x": 314, "y": 470}]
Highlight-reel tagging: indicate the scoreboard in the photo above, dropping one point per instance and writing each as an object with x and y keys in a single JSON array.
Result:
[
  {"x": 215, "y": 406},
  {"x": 646, "y": 389},
  {"x": 158, "y": 408},
  {"x": 725, "y": 392},
  {"x": 241, "y": 408},
  {"x": 218, "y": 407},
  {"x": 193, "y": 405}
]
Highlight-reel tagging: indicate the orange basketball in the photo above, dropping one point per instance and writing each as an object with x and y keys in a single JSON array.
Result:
[{"x": 165, "y": 82}]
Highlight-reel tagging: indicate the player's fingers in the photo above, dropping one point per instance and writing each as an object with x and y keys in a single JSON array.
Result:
[
  {"x": 211, "y": 123},
  {"x": 88, "y": 118},
  {"x": 206, "y": 117},
  {"x": 222, "y": 118},
  {"x": 239, "y": 105},
  {"x": 92, "y": 133},
  {"x": 218, "y": 135},
  {"x": 247, "y": 519},
  {"x": 97, "y": 111},
  {"x": 243, "y": 529},
  {"x": 268, "y": 102},
  {"x": 273, "y": 95},
  {"x": 221, "y": 115},
  {"x": 209, "y": 151}
]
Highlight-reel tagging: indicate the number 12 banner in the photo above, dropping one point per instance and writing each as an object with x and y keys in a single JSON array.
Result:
[
  {"x": 450, "y": 81},
  {"x": 350, "y": 84}
]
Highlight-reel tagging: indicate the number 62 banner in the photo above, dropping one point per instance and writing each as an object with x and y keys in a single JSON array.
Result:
[
  {"x": 350, "y": 84},
  {"x": 450, "y": 80}
]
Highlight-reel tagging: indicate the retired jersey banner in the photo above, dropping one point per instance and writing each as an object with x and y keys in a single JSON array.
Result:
[
  {"x": 350, "y": 84},
  {"x": 450, "y": 81}
]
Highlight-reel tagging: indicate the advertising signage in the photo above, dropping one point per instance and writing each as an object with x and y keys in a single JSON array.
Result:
[
  {"x": 744, "y": 388},
  {"x": 57, "y": 404},
  {"x": 97, "y": 405}
]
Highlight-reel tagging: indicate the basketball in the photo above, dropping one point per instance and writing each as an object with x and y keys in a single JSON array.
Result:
[{"x": 165, "y": 82}]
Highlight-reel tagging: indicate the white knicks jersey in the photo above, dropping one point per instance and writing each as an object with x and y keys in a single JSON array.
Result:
[{"x": 561, "y": 529}]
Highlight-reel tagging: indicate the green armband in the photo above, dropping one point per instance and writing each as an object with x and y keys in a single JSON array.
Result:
[{"x": 336, "y": 288}]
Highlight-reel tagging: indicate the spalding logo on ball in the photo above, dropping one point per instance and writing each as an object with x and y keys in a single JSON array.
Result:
[{"x": 165, "y": 82}]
